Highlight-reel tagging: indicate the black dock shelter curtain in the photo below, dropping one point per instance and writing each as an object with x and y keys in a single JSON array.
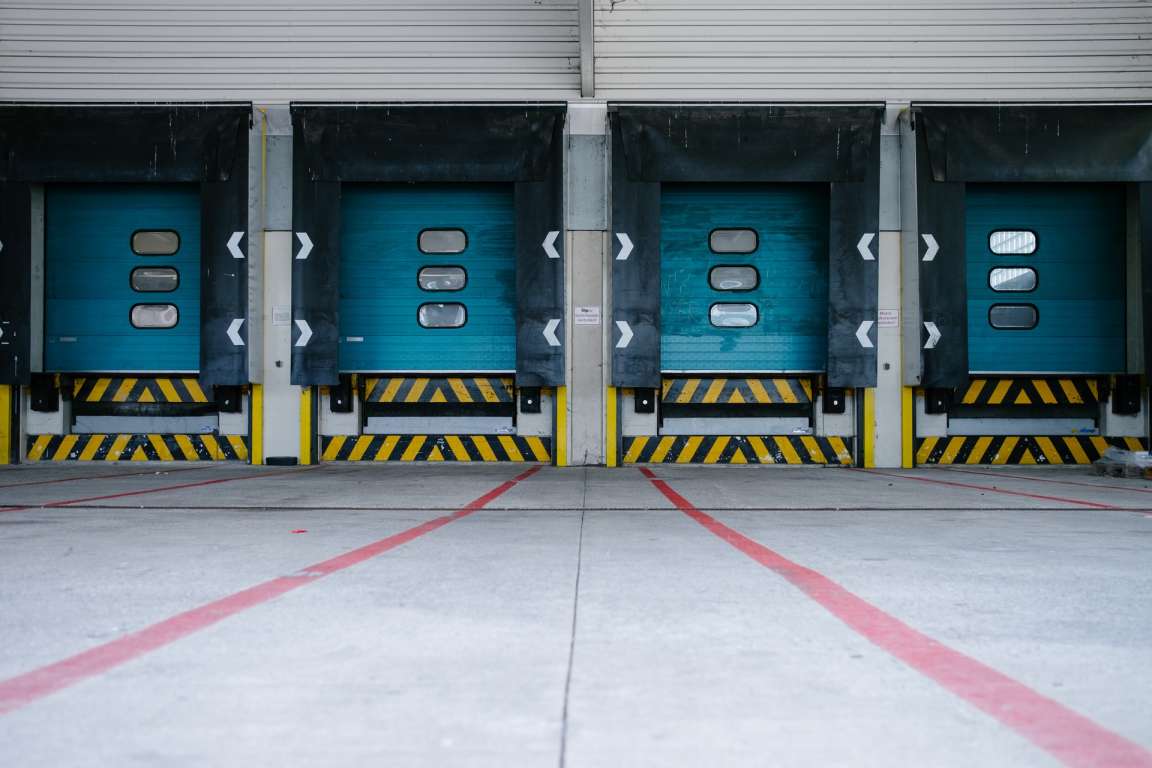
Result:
[
  {"x": 62, "y": 143},
  {"x": 335, "y": 144},
  {"x": 837, "y": 145},
  {"x": 961, "y": 144}
]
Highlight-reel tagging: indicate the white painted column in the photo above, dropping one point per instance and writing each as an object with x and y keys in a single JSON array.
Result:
[
  {"x": 586, "y": 268},
  {"x": 270, "y": 281},
  {"x": 887, "y": 409}
]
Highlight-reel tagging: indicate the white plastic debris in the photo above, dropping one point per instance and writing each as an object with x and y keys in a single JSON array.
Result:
[{"x": 1117, "y": 462}]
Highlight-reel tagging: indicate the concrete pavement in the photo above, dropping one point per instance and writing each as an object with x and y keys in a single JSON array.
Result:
[{"x": 576, "y": 617}]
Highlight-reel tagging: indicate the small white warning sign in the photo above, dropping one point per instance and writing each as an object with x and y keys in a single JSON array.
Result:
[
  {"x": 888, "y": 318},
  {"x": 588, "y": 315},
  {"x": 281, "y": 314}
]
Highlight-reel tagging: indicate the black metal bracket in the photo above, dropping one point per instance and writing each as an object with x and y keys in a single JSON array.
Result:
[
  {"x": 340, "y": 396},
  {"x": 937, "y": 400},
  {"x": 834, "y": 401},
  {"x": 45, "y": 393},
  {"x": 529, "y": 399},
  {"x": 1126, "y": 396},
  {"x": 229, "y": 398}
]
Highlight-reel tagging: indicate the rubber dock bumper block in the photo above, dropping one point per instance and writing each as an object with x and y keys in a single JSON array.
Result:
[
  {"x": 471, "y": 389},
  {"x": 142, "y": 447},
  {"x": 436, "y": 448},
  {"x": 1020, "y": 449},
  {"x": 137, "y": 390},
  {"x": 723, "y": 391},
  {"x": 738, "y": 449},
  {"x": 1019, "y": 391}
]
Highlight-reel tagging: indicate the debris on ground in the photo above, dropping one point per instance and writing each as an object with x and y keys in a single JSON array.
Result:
[{"x": 1117, "y": 462}]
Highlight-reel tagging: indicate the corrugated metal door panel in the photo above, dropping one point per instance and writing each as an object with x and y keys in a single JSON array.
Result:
[
  {"x": 89, "y": 260},
  {"x": 918, "y": 49},
  {"x": 1079, "y": 263},
  {"x": 380, "y": 261},
  {"x": 791, "y": 221},
  {"x": 275, "y": 51}
]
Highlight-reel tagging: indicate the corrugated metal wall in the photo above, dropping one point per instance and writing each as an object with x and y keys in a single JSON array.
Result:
[
  {"x": 273, "y": 51},
  {"x": 896, "y": 50}
]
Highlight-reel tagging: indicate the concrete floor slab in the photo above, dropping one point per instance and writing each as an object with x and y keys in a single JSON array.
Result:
[{"x": 458, "y": 648}]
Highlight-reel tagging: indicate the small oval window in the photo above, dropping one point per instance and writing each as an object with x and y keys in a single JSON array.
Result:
[
  {"x": 155, "y": 242},
  {"x": 155, "y": 316},
  {"x": 155, "y": 279},
  {"x": 1013, "y": 317},
  {"x": 733, "y": 240},
  {"x": 1013, "y": 279},
  {"x": 737, "y": 278},
  {"x": 443, "y": 241},
  {"x": 734, "y": 315},
  {"x": 442, "y": 315},
  {"x": 1012, "y": 242},
  {"x": 442, "y": 278}
]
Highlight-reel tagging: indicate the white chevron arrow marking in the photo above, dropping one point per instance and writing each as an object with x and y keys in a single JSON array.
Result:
[
  {"x": 933, "y": 335},
  {"x": 625, "y": 246},
  {"x": 625, "y": 334},
  {"x": 933, "y": 247},
  {"x": 864, "y": 246},
  {"x": 550, "y": 332},
  {"x": 234, "y": 245},
  {"x": 234, "y": 332},
  {"x": 305, "y": 333},
  {"x": 1, "y": 245},
  {"x": 862, "y": 334},
  {"x": 550, "y": 244},
  {"x": 305, "y": 245}
]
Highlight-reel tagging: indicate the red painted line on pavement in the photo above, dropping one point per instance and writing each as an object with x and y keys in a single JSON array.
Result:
[
  {"x": 971, "y": 486},
  {"x": 1064, "y": 733},
  {"x": 19, "y": 691},
  {"x": 102, "y": 477},
  {"x": 1032, "y": 479},
  {"x": 142, "y": 491}
]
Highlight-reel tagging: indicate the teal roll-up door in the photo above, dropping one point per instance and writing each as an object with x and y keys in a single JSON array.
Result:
[
  {"x": 446, "y": 248},
  {"x": 95, "y": 277},
  {"x": 774, "y": 243},
  {"x": 1059, "y": 278}
]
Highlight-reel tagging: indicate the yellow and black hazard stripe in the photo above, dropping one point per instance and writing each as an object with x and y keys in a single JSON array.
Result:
[
  {"x": 453, "y": 389},
  {"x": 1020, "y": 449},
  {"x": 104, "y": 389},
  {"x": 1030, "y": 391},
  {"x": 722, "y": 391},
  {"x": 140, "y": 447},
  {"x": 436, "y": 448},
  {"x": 737, "y": 449}
]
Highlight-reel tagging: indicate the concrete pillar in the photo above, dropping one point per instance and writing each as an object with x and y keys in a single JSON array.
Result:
[
  {"x": 586, "y": 301},
  {"x": 889, "y": 411},
  {"x": 276, "y": 404}
]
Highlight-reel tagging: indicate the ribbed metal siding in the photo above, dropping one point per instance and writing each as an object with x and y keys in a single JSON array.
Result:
[
  {"x": 791, "y": 258},
  {"x": 379, "y": 293},
  {"x": 89, "y": 296},
  {"x": 274, "y": 51},
  {"x": 1079, "y": 263},
  {"x": 868, "y": 50}
]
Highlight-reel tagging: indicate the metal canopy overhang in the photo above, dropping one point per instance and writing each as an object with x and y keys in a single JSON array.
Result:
[
  {"x": 335, "y": 144},
  {"x": 193, "y": 142},
  {"x": 959, "y": 144},
  {"x": 834, "y": 144}
]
